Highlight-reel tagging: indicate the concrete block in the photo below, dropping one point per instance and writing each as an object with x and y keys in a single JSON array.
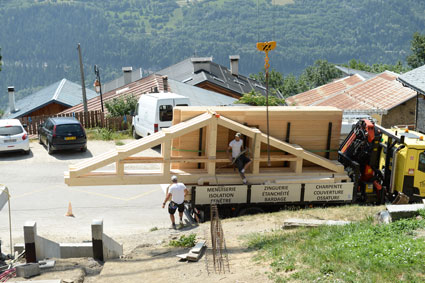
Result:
[
  {"x": 46, "y": 248},
  {"x": 404, "y": 210},
  {"x": 44, "y": 264},
  {"x": 30, "y": 235},
  {"x": 295, "y": 222},
  {"x": 73, "y": 250},
  {"x": 27, "y": 270},
  {"x": 97, "y": 229},
  {"x": 111, "y": 248},
  {"x": 30, "y": 231},
  {"x": 97, "y": 237}
]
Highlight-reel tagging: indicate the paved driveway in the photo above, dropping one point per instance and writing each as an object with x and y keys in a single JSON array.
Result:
[{"x": 38, "y": 191}]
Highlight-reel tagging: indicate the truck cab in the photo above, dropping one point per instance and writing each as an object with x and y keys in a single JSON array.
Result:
[{"x": 408, "y": 171}]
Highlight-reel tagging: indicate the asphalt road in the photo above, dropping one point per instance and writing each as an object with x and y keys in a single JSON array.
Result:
[{"x": 38, "y": 193}]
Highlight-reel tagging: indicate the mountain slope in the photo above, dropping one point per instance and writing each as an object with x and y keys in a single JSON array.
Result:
[{"x": 39, "y": 38}]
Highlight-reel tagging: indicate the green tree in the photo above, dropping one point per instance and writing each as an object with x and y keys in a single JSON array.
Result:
[
  {"x": 257, "y": 99},
  {"x": 417, "y": 59},
  {"x": 276, "y": 80},
  {"x": 121, "y": 106},
  {"x": 320, "y": 73},
  {"x": 377, "y": 68}
]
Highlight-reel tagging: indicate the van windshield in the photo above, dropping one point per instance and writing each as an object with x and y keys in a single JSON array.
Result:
[
  {"x": 10, "y": 130},
  {"x": 165, "y": 113}
]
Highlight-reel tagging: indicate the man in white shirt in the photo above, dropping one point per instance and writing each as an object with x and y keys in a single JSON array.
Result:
[
  {"x": 177, "y": 193},
  {"x": 238, "y": 156}
]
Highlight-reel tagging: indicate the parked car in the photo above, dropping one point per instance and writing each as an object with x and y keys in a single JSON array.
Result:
[
  {"x": 154, "y": 111},
  {"x": 13, "y": 136},
  {"x": 62, "y": 133}
]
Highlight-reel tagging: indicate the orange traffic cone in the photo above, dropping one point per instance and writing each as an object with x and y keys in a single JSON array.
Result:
[{"x": 69, "y": 212}]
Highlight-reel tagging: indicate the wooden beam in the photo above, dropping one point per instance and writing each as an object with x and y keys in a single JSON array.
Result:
[
  {"x": 230, "y": 124},
  {"x": 297, "y": 165},
  {"x": 211, "y": 146},
  {"x": 200, "y": 159},
  {"x": 119, "y": 168},
  {"x": 196, "y": 176},
  {"x": 256, "y": 152},
  {"x": 166, "y": 154}
]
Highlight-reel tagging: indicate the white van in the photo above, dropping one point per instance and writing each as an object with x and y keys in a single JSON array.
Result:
[{"x": 154, "y": 111}]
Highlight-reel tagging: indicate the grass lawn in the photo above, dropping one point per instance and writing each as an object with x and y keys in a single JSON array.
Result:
[
  {"x": 107, "y": 135},
  {"x": 358, "y": 252}
]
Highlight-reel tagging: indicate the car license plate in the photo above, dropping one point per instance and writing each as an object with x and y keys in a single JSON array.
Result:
[
  {"x": 70, "y": 138},
  {"x": 8, "y": 141}
]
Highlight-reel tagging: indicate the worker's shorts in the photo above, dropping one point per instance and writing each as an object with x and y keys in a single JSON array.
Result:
[
  {"x": 241, "y": 161},
  {"x": 172, "y": 206}
]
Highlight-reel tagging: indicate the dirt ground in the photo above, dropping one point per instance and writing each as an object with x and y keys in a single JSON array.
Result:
[{"x": 153, "y": 260}]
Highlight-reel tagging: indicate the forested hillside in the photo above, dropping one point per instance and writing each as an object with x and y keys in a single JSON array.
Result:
[{"x": 38, "y": 39}]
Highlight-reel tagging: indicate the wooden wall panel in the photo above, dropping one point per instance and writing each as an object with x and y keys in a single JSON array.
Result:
[{"x": 308, "y": 128}]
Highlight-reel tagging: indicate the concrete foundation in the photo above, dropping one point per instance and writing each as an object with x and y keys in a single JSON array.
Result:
[
  {"x": 37, "y": 248},
  {"x": 104, "y": 247},
  {"x": 72, "y": 250}
]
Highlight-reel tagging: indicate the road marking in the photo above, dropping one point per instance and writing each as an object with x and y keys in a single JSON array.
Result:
[
  {"x": 30, "y": 193},
  {"x": 114, "y": 197},
  {"x": 143, "y": 194}
]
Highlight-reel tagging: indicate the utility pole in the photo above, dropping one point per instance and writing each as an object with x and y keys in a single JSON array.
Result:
[{"x": 83, "y": 84}]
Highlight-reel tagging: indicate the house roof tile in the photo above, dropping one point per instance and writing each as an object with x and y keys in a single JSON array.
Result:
[
  {"x": 62, "y": 92},
  {"x": 314, "y": 95},
  {"x": 380, "y": 92},
  {"x": 415, "y": 79}
]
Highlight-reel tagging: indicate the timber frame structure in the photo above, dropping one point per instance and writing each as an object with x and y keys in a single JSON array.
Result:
[{"x": 319, "y": 169}]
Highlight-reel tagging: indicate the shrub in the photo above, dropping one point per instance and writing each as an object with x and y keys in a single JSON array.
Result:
[{"x": 184, "y": 241}]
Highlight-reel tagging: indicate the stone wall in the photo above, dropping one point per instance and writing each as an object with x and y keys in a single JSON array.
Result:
[
  {"x": 403, "y": 114},
  {"x": 421, "y": 114}
]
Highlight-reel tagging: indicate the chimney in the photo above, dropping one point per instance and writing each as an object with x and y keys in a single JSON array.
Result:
[
  {"x": 165, "y": 83},
  {"x": 234, "y": 64},
  {"x": 201, "y": 64},
  {"x": 11, "y": 91},
  {"x": 127, "y": 74}
]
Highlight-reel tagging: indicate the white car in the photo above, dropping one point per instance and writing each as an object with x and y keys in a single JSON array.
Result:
[{"x": 13, "y": 136}]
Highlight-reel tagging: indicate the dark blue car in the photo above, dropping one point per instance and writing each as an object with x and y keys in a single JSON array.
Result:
[{"x": 62, "y": 133}]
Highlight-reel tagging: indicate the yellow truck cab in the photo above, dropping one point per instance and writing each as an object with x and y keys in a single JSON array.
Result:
[{"x": 408, "y": 174}]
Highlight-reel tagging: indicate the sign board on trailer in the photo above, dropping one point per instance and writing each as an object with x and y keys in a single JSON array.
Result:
[
  {"x": 276, "y": 193},
  {"x": 221, "y": 194},
  {"x": 328, "y": 192}
]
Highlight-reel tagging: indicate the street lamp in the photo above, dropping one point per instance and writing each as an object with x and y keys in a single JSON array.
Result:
[{"x": 97, "y": 85}]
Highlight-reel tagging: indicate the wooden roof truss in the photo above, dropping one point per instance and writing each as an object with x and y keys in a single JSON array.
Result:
[{"x": 87, "y": 172}]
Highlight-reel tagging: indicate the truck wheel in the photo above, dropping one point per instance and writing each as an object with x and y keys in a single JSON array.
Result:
[
  {"x": 250, "y": 211},
  {"x": 135, "y": 135}
]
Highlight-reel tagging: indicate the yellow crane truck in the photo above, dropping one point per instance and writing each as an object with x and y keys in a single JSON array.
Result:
[{"x": 383, "y": 163}]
